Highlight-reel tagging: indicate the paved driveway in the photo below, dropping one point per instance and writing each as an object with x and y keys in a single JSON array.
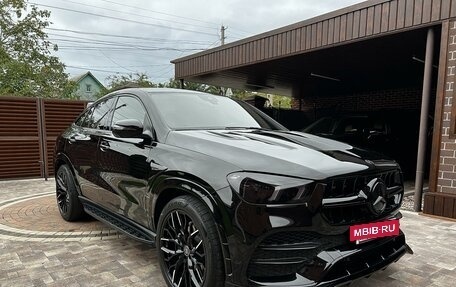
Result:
[{"x": 37, "y": 248}]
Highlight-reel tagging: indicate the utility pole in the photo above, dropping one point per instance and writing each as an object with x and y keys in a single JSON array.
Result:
[
  {"x": 222, "y": 42},
  {"x": 222, "y": 35}
]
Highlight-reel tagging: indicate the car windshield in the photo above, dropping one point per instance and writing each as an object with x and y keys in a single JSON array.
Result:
[
  {"x": 322, "y": 126},
  {"x": 188, "y": 111}
]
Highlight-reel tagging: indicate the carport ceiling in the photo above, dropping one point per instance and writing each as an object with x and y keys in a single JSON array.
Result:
[{"x": 379, "y": 63}]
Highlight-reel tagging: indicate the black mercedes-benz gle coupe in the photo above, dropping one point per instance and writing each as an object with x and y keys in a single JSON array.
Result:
[{"x": 228, "y": 196}]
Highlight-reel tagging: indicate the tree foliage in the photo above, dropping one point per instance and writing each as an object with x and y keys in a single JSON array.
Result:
[
  {"x": 281, "y": 102},
  {"x": 141, "y": 80},
  {"x": 216, "y": 90},
  {"x": 136, "y": 80},
  {"x": 27, "y": 66}
]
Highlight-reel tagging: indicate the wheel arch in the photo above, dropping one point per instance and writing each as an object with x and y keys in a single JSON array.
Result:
[
  {"x": 61, "y": 159},
  {"x": 169, "y": 186},
  {"x": 173, "y": 187}
]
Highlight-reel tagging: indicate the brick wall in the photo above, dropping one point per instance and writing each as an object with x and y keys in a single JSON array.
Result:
[
  {"x": 441, "y": 200},
  {"x": 394, "y": 99},
  {"x": 447, "y": 163}
]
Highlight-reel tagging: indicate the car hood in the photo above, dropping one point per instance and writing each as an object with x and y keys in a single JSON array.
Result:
[{"x": 279, "y": 152}]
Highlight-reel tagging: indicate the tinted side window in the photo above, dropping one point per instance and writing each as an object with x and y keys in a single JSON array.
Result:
[
  {"x": 81, "y": 119},
  {"x": 98, "y": 115},
  {"x": 323, "y": 126},
  {"x": 84, "y": 120},
  {"x": 129, "y": 108},
  {"x": 351, "y": 126}
]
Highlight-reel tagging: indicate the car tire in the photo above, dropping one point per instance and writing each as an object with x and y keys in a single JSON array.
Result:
[
  {"x": 69, "y": 205},
  {"x": 188, "y": 244}
]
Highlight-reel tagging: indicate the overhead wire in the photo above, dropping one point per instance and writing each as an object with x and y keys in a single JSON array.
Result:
[
  {"x": 167, "y": 71},
  {"x": 122, "y": 19},
  {"x": 136, "y": 14},
  {"x": 122, "y": 46},
  {"x": 115, "y": 63},
  {"x": 124, "y": 36},
  {"x": 161, "y": 76},
  {"x": 171, "y": 15},
  {"x": 158, "y": 12},
  {"x": 134, "y": 66},
  {"x": 113, "y": 44},
  {"x": 79, "y": 47},
  {"x": 125, "y": 54},
  {"x": 213, "y": 44},
  {"x": 98, "y": 70}
]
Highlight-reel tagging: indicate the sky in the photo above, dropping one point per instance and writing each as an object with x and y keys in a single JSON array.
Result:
[{"x": 109, "y": 37}]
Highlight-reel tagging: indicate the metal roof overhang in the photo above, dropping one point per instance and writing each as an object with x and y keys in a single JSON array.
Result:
[{"x": 371, "y": 45}]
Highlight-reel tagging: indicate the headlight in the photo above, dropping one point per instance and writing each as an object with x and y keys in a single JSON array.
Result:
[{"x": 270, "y": 189}]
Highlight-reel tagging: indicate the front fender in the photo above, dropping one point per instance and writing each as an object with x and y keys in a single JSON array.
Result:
[{"x": 169, "y": 186}]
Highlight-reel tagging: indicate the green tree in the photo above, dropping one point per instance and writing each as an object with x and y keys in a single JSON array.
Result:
[
  {"x": 27, "y": 66},
  {"x": 133, "y": 80},
  {"x": 282, "y": 102},
  {"x": 141, "y": 80},
  {"x": 172, "y": 83},
  {"x": 175, "y": 84},
  {"x": 242, "y": 94}
]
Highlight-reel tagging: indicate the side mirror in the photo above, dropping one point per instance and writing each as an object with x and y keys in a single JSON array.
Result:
[{"x": 129, "y": 128}]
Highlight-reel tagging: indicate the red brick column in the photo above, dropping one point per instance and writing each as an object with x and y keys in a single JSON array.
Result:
[
  {"x": 447, "y": 173},
  {"x": 441, "y": 200}
]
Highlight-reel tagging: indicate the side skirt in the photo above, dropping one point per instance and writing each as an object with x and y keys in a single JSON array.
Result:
[{"x": 118, "y": 222}]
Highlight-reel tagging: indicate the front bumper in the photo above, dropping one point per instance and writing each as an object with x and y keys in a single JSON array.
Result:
[
  {"x": 331, "y": 267},
  {"x": 296, "y": 246},
  {"x": 343, "y": 264}
]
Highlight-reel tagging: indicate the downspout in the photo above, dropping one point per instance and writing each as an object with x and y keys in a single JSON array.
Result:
[{"x": 424, "y": 120}]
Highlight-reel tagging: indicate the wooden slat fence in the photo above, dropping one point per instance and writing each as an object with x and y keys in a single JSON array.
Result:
[{"x": 28, "y": 129}]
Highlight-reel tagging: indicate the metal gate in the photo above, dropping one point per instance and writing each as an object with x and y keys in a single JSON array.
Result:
[{"x": 28, "y": 129}]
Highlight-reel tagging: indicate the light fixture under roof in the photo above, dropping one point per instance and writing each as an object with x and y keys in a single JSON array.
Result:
[{"x": 324, "y": 77}]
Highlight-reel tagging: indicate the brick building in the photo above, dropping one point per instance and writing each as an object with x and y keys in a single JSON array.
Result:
[{"x": 377, "y": 56}]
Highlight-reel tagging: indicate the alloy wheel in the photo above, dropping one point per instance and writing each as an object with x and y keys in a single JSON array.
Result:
[
  {"x": 63, "y": 196},
  {"x": 183, "y": 251}
]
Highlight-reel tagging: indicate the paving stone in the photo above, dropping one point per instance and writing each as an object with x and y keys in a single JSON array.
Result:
[{"x": 31, "y": 260}]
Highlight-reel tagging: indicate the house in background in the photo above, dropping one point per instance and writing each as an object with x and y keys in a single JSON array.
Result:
[{"x": 88, "y": 86}]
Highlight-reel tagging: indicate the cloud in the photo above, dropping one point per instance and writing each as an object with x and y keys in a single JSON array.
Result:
[{"x": 145, "y": 44}]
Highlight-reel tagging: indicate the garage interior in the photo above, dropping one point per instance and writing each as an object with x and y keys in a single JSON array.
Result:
[
  {"x": 380, "y": 78},
  {"x": 389, "y": 60}
]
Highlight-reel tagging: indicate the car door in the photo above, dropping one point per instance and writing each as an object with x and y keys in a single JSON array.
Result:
[
  {"x": 82, "y": 146},
  {"x": 124, "y": 163}
]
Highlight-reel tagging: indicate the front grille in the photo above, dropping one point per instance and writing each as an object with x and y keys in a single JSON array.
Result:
[
  {"x": 346, "y": 215},
  {"x": 357, "y": 211},
  {"x": 283, "y": 254},
  {"x": 351, "y": 185}
]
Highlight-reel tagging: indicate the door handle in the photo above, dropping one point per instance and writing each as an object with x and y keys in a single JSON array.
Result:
[{"x": 104, "y": 146}]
